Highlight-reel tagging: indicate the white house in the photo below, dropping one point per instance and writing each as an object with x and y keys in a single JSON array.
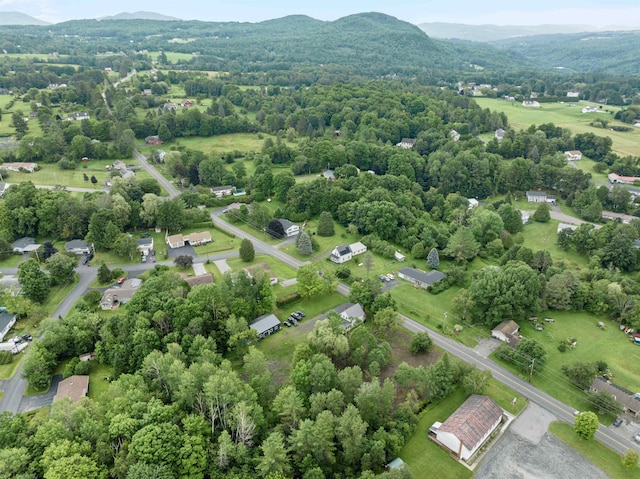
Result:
[
  {"x": 398, "y": 256},
  {"x": 25, "y": 245},
  {"x": 573, "y": 94},
  {"x": 352, "y": 315},
  {"x": 406, "y": 143},
  {"x": 466, "y": 430},
  {"x": 454, "y": 135},
  {"x": 506, "y": 331},
  {"x": 341, "y": 254},
  {"x": 193, "y": 239},
  {"x": 530, "y": 104},
  {"x": 175, "y": 241},
  {"x": 290, "y": 229},
  {"x": 145, "y": 245},
  {"x": 589, "y": 109},
  {"x": 615, "y": 178},
  {"x": 6, "y": 323},
  {"x": 221, "y": 191},
  {"x": 540, "y": 197},
  {"x": 573, "y": 155},
  {"x": 77, "y": 247},
  {"x": 357, "y": 248},
  {"x": 473, "y": 203}
]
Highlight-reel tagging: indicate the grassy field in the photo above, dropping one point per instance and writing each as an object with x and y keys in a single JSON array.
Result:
[
  {"x": 268, "y": 263},
  {"x": 606, "y": 459},
  {"x": 56, "y": 295},
  {"x": 244, "y": 142},
  {"x": 567, "y": 115},
  {"x": 593, "y": 344},
  {"x": 97, "y": 384},
  {"x": 544, "y": 236},
  {"x": 427, "y": 460}
]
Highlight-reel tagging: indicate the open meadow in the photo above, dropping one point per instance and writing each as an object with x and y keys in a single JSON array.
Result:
[{"x": 568, "y": 115}]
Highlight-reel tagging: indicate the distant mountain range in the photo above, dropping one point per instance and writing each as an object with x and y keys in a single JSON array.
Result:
[
  {"x": 18, "y": 18},
  {"x": 491, "y": 33},
  {"x": 140, "y": 16}
]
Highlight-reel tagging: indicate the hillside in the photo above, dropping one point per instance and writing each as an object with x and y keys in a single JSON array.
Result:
[
  {"x": 606, "y": 52},
  {"x": 139, "y": 16},
  {"x": 18, "y": 18},
  {"x": 370, "y": 44},
  {"x": 489, "y": 33}
]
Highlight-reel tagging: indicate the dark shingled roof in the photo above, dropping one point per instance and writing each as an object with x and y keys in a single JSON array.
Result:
[{"x": 472, "y": 420}]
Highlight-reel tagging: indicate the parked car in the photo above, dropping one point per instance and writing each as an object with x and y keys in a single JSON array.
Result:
[
  {"x": 301, "y": 314},
  {"x": 122, "y": 280},
  {"x": 27, "y": 337},
  {"x": 89, "y": 256},
  {"x": 382, "y": 278},
  {"x": 617, "y": 422},
  {"x": 144, "y": 259},
  {"x": 576, "y": 413},
  {"x": 146, "y": 234},
  {"x": 294, "y": 321},
  {"x": 296, "y": 315},
  {"x": 637, "y": 437},
  {"x": 390, "y": 277},
  {"x": 287, "y": 324}
]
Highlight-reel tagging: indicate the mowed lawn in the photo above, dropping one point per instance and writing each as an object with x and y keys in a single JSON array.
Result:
[
  {"x": 593, "y": 344},
  {"x": 265, "y": 262},
  {"x": 243, "y": 142},
  {"x": 568, "y": 115}
]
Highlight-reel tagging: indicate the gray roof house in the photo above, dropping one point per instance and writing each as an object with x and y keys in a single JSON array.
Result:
[
  {"x": 116, "y": 296},
  {"x": 352, "y": 315},
  {"x": 6, "y": 323},
  {"x": 421, "y": 278},
  {"x": 145, "y": 245},
  {"x": 290, "y": 229},
  {"x": 629, "y": 401},
  {"x": 24, "y": 245},
  {"x": 77, "y": 247},
  {"x": 265, "y": 325}
]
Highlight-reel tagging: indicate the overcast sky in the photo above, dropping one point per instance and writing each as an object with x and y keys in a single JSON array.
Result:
[{"x": 591, "y": 12}]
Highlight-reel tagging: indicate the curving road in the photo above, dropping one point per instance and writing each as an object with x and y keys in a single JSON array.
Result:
[{"x": 166, "y": 184}]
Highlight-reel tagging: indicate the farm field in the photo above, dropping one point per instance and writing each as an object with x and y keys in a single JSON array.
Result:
[{"x": 567, "y": 115}]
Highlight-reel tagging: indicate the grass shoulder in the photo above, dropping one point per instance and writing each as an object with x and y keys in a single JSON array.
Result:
[{"x": 605, "y": 458}]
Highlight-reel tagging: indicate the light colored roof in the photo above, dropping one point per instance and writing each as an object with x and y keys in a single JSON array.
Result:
[
  {"x": 507, "y": 327},
  {"x": 357, "y": 245},
  {"x": 73, "y": 244},
  {"x": 23, "y": 242},
  {"x": 349, "y": 310},
  {"x": 471, "y": 422},
  {"x": 286, "y": 224},
  {"x": 175, "y": 239},
  {"x": 74, "y": 387},
  {"x": 221, "y": 188},
  {"x": 197, "y": 236},
  {"x": 265, "y": 323},
  {"x": 536, "y": 193},
  {"x": 133, "y": 283}
]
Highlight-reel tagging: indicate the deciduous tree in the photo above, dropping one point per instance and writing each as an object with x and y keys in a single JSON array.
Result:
[
  {"x": 586, "y": 424},
  {"x": 35, "y": 282},
  {"x": 61, "y": 268},
  {"x": 433, "y": 259}
]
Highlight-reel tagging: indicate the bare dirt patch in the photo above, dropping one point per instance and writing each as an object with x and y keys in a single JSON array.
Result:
[{"x": 399, "y": 342}]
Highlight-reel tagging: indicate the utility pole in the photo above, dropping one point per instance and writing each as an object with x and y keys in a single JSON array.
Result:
[{"x": 533, "y": 362}]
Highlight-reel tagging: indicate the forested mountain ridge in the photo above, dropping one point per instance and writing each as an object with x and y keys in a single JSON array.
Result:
[
  {"x": 371, "y": 44},
  {"x": 603, "y": 52},
  {"x": 19, "y": 18}
]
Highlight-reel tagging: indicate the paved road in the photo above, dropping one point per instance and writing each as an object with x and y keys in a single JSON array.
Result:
[
  {"x": 166, "y": 184},
  {"x": 565, "y": 218},
  {"x": 67, "y": 188},
  {"x": 14, "y": 388},
  {"x": 557, "y": 408}
]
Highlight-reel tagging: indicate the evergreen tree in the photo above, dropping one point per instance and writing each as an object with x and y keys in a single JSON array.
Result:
[
  {"x": 247, "y": 252},
  {"x": 104, "y": 274},
  {"x": 542, "y": 214},
  {"x": 303, "y": 244},
  {"x": 433, "y": 259},
  {"x": 325, "y": 224}
]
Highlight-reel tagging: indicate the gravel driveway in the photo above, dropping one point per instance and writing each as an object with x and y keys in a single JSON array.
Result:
[{"x": 528, "y": 451}]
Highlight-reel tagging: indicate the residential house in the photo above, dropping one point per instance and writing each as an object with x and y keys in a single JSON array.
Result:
[
  {"x": 421, "y": 278},
  {"x": 187, "y": 103},
  {"x": 454, "y": 135},
  {"x": 473, "y": 203},
  {"x": 398, "y": 256},
  {"x": 357, "y": 248},
  {"x": 566, "y": 226},
  {"x": 540, "y": 197},
  {"x": 145, "y": 245},
  {"x": 147, "y": 91},
  {"x": 629, "y": 401},
  {"x": 573, "y": 155},
  {"x": 407, "y": 143},
  {"x": 290, "y": 229},
  {"x": 590, "y": 109},
  {"x": 467, "y": 429},
  {"x": 170, "y": 106},
  {"x": 153, "y": 140},
  {"x": 221, "y": 191},
  {"x": 25, "y": 245},
  {"x": 266, "y": 325},
  {"x": 83, "y": 115},
  {"x": 74, "y": 388},
  {"x": 499, "y": 134},
  {"x": 127, "y": 173},
  {"x": 328, "y": 174},
  {"x": 341, "y": 254},
  {"x": 33, "y": 115},
  {"x": 77, "y": 247},
  {"x": 7, "y": 321},
  {"x": 614, "y": 178},
  {"x": 87, "y": 357},
  {"x": 625, "y": 219},
  {"x": 506, "y": 331},
  {"x": 4, "y": 91},
  {"x": 530, "y": 104},
  {"x": 192, "y": 239},
  {"x": 108, "y": 70},
  {"x": 114, "y": 297},
  {"x": 573, "y": 94},
  {"x": 198, "y": 280},
  {"x": 352, "y": 315},
  {"x": 20, "y": 166}
]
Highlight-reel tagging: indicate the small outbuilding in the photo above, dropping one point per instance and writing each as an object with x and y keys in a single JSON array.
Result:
[
  {"x": 506, "y": 331},
  {"x": 266, "y": 325}
]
